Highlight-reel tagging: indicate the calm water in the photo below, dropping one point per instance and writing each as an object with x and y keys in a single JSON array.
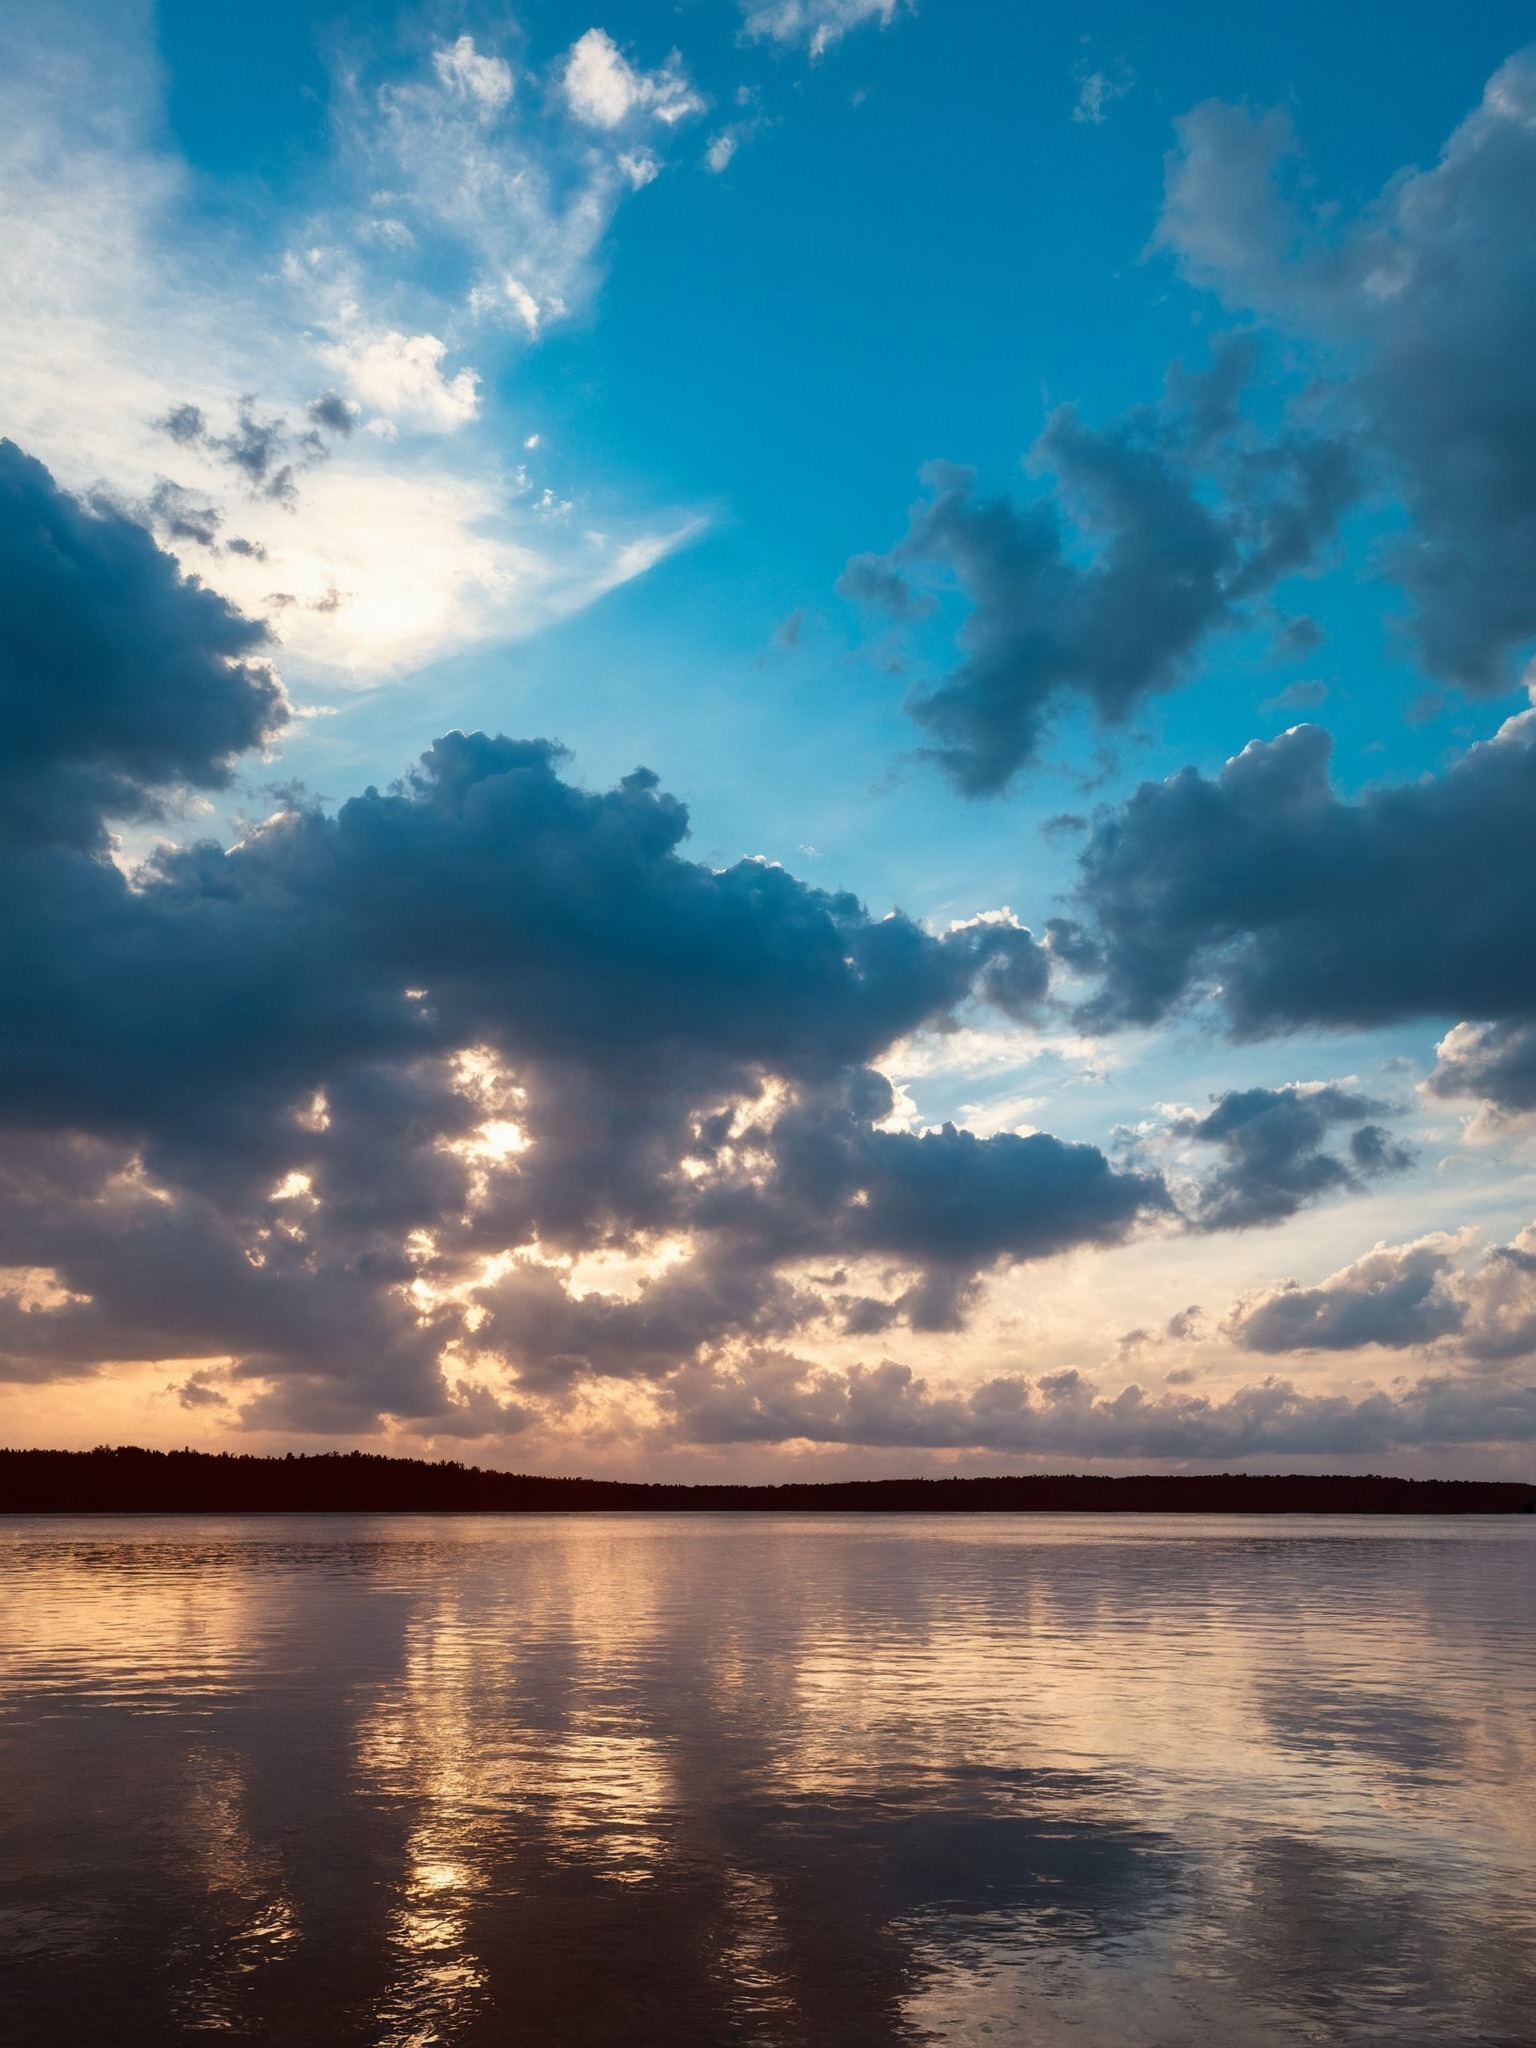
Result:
[{"x": 709, "y": 1780}]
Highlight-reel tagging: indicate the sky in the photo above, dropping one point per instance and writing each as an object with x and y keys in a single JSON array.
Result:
[{"x": 770, "y": 737}]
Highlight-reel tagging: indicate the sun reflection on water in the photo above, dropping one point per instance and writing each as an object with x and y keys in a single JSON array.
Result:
[{"x": 417, "y": 1782}]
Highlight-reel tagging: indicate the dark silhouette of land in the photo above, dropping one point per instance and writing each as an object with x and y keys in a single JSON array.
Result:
[{"x": 132, "y": 1481}]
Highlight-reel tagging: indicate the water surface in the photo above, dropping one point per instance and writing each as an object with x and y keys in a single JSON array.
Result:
[{"x": 1155, "y": 1782}]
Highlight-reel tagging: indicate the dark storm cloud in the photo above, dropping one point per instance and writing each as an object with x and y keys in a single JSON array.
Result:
[
  {"x": 561, "y": 924},
  {"x": 1297, "y": 907},
  {"x": 1188, "y": 516},
  {"x": 1272, "y": 1140},
  {"x": 243, "y": 1124},
  {"x": 118, "y": 675},
  {"x": 945, "y": 1197},
  {"x": 178, "y": 1283},
  {"x": 1425, "y": 306},
  {"x": 281, "y": 1111}
]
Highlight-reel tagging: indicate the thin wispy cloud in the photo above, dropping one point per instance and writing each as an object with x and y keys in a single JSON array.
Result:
[
  {"x": 305, "y": 406},
  {"x": 1097, "y": 90},
  {"x": 816, "y": 25}
]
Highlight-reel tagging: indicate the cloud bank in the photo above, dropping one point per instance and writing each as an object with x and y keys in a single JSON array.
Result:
[
  {"x": 1065, "y": 1415},
  {"x": 477, "y": 1105},
  {"x": 478, "y": 1100},
  {"x": 368, "y": 1090}
]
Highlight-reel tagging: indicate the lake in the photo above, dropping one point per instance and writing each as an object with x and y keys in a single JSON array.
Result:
[{"x": 1143, "y": 1782}]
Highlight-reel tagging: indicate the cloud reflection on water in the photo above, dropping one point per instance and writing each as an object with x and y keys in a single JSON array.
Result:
[{"x": 770, "y": 1781}]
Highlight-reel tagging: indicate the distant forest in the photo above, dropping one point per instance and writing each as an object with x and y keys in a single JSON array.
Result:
[{"x": 132, "y": 1481}]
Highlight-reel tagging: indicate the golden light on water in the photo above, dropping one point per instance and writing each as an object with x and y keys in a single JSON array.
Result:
[{"x": 779, "y": 1780}]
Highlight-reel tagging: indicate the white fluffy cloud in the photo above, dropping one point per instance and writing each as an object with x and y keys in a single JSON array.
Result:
[
  {"x": 605, "y": 90},
  {"x": 401, "y": 376},
  {"x": 486, "y": 80}
]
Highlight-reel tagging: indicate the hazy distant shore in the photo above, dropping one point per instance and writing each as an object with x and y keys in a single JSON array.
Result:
[{"x": 133, "y": 1481}]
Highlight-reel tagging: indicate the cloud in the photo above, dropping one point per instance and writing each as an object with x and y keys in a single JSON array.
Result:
[
  {"x": 817, "y": 24},
  {"x": 181, "y": 362},
  {"x": 401, "y": 377},
  {"x": 1302, "y": 696},
  {"x": 464, "y": 208},
  {"x": 1388, "y": 354},
  {"x": 1292, "y": 906},
  {"x": 774, "y": 1398},
  {"x": 1407, "y": 1296},
  {"x": 474, "y": 75},
  {"x": 1494, "y": 1062},
  {"x": 1272, "y": 1140},
  {"x": 479, "y": 1099},
  {"x": 875, "y": 581},
  {"x": 183, "y": 515},
  {"x": 119, "y": 677},
  {"x": 606, "y": 91},
  {"x": 264, "y": 454},
  {"x": 332, "y": 412},
  {"x": 1099, "y": 89},
  {"x": 1421, "y": 308},
  {"x": 1501, "y": 1302},
  {"x": 469, "y": 1093},
  {"x": 1185, "y": 516},
  {"x": 1395, "y": 1297}
]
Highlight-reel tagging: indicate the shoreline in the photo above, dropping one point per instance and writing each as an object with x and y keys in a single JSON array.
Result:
[{"x": 130, "y": 1480}]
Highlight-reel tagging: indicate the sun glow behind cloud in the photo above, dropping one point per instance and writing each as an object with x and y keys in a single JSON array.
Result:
[
  {"x": 304, "y": 404},
  {"x": 536, "y": 1126}
]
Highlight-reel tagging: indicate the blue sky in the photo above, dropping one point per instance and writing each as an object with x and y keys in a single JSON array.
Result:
[{"x": 907, "y": 432}]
